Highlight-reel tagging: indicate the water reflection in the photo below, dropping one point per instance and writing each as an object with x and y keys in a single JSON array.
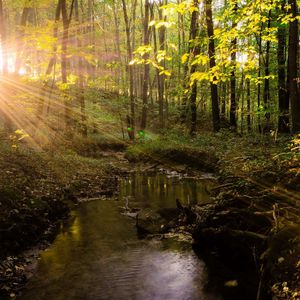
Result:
[
  {"x": 98, "y": 256},
  {"x": 159, "y": 190}
]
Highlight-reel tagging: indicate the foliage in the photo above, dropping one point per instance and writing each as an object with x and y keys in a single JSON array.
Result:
[{"x": 17, "y": 137}]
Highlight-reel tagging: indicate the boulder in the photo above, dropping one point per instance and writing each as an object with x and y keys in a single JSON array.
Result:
[{"x": 157, "y": 220}]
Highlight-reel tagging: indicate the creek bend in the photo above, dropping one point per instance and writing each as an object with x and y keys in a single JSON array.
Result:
[{"x": 98, "y": 255}]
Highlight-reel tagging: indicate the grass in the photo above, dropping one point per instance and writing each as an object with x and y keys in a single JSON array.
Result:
[{"x": 255, "y": 156}]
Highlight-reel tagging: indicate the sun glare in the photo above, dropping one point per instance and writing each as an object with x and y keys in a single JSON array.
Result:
[
  {"x": 242, "y": 58},
  {"x": 11, "y": 60}
]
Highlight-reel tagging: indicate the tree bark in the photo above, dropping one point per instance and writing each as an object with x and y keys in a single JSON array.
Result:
[
  {"x": 195, "y": 50},
  {"x": 131, "y": 119},
  {"x": 51, "y": 63},
  {"x": 117, "y": 41},
  {"x": 293, "y": 64},
  {"x": 3, "y": 40},
  {"x": 146, "y": 67},
  {"x": 161, "y": 78},
  {"x": 212, "y": 63},
  {"x": 283, "y": 96},
  {"x": 80, "y": 96},
  {"x": 64, "y": 59},
  {"x": 266, "y": 96},
  {"x": 232, "y": 74},
  {"x": 248, "y": 105},
  {"x": 259, "y": 75},
  {"x": 20, "y": 35}
]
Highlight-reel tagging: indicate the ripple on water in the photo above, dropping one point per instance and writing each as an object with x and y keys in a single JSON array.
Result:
[{"x": 99, "y": 256}]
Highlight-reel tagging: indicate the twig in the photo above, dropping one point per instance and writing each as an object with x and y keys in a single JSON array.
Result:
[
  {"x": 222, "y": 186},
  {"x": 262, "y": 271},
  {"x": 150, "y": 167},
  {"x": 275, "y": 217}
]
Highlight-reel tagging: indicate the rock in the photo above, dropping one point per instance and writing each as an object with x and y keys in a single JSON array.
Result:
[
  {"x": 130, "y": 214},
  {"x": 157, "y": 221}
]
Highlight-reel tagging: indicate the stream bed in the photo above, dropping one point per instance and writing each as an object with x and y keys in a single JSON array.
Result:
[{"x": 99, "y": 255}]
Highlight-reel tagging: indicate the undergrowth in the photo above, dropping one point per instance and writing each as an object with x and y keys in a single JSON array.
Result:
[{"x": 262, "y": 157}]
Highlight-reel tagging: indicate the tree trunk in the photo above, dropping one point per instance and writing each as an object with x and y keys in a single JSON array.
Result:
[
  {"x": 259, "y": 75},
  {"x": 51, "y": 64},
  {"x": 161, "y": 78},
  {"x": 3, "y": 40},
  {"x": 266, "y": 96},
  {"x": 195, "y": 50},
  {"x": 184, "y": 101},
  {"x": 80, "y": 96},
  {"x": 131, "y": 119},
  {"x": 20, "y": 36},
  {"x": 283, "y": 96},
  {"x": 293, "y": 67},
  {"x": 4, "y": 109},
  {"x": 223, "y": 99},
  {"x": 117, "y": 41},
  {"x": 232, "y": 75},
  {"x": 146, "y": 67},
  {"x": 91, "y": 68},
  {"x": 212, "y": 64},
  {"x": 242, "y": 94},
  {"x": 64, "y": 60},
  {"x": 135, "y": 69},
  {"x": 248, "y": 105}
]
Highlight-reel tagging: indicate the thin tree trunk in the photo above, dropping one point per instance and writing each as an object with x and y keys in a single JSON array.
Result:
[
  {"x": 179, "y": 40},
  {"x": 232, "y": 75},
  {"x": 259, "y": 75},
  {"x": 212, "y": 64},
  {"x": 20, "y": 37},
  {"x": 194, "y": 33},
  {"x": 4, "y": 107},
  {"x": 248, "y": 105},
  {"x": 293, "y": 63},
  {"x": 242, "y": 89},
  {"x": 283, "y": 96},
  {"x": 131, "y": 119},
  {"x": 117, "y": 41},
  {"x": 146, "y": 67},
  {"x": 51, "y": 63},
  {"x": 184, "y": 101},
  {"x": 266, "y": 96},
  {"x": 64, "y": 60},
  {"x": 223, "y": 97},
  {"x": 3, "y": 40},
  {"x": 91, "y": 68},
  {"x": 80, "y": 96},
  {"x": 161, "y": 78}
]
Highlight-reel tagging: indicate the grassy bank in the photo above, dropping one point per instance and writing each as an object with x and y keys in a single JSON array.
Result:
[{"x": 257, "y": 157}]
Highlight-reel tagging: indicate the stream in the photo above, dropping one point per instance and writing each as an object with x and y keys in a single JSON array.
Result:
[{"x": 99, "y": 255}]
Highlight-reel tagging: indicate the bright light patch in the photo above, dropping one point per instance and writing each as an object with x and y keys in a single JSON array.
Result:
[
  {"x": 11, "y": 58},
  {"x": 242, "y": 58},
  {"x": 22, "y": 71}
]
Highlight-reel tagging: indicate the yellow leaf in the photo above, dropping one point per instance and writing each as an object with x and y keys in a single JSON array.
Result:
[{"x": 184, "y": 58}]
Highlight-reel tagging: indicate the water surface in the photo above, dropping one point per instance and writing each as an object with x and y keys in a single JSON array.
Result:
[{"x": 99, "y": 255}]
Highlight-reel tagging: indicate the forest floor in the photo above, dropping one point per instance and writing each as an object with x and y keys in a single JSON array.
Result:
[
  {"x": 38, "y": 188},
  {"x": 37, "y": 191}
]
